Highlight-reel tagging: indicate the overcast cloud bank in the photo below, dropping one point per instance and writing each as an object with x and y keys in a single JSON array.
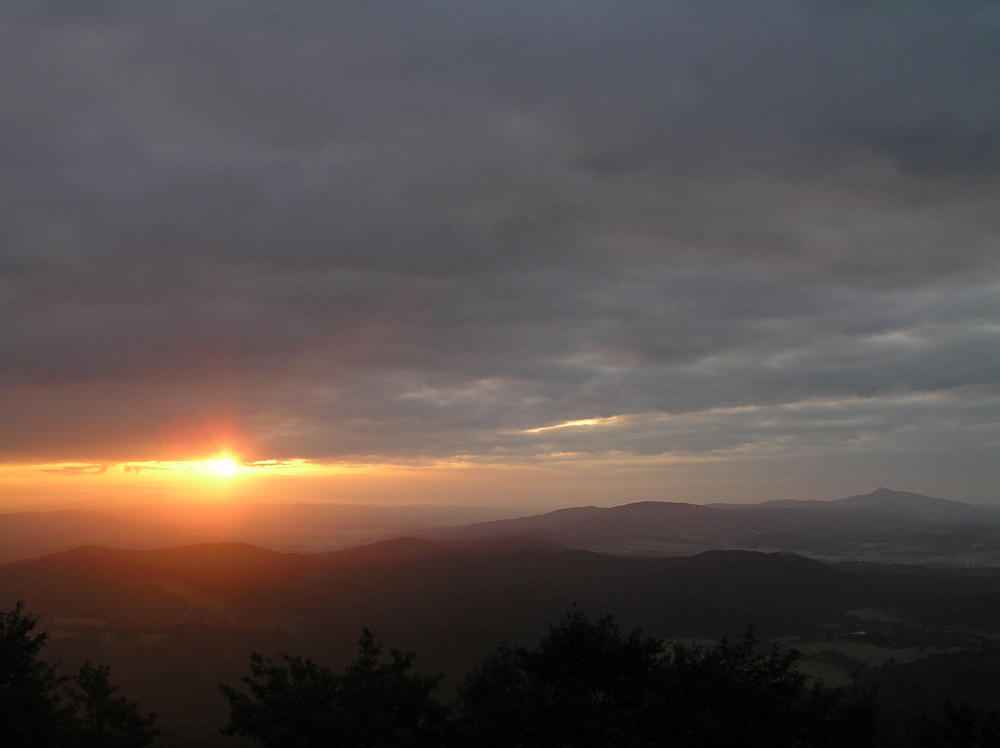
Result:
[{"x": 423, "y": 232}]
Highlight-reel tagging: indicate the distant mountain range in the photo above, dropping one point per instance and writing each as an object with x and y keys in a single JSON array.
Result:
[{"x": 882, "y": 526}]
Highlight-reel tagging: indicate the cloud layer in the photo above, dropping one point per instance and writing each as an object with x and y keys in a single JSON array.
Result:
[{"x": 419, "y": 232}]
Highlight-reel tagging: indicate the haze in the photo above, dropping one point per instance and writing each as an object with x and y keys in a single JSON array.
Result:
[{"x": 523, "y": 255}]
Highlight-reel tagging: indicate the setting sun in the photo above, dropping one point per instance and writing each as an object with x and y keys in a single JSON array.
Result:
[{"x": 221, "y": 467}]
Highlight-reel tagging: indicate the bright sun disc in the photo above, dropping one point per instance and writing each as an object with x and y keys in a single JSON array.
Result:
[{"x": 222, "y": 467}]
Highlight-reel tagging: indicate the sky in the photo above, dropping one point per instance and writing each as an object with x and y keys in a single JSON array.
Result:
[{"x": 524, "y": 254}]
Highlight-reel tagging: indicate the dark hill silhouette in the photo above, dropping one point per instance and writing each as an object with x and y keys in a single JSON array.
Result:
[
  {"x": 592, "y": 524},
  {"x": 432, "y": 585},
  {"x": 925, "y": 507},
  {"x": 535, "y": 524},
  {"x": 389, "y": 551},
  {"x": 410, "y": 548}
]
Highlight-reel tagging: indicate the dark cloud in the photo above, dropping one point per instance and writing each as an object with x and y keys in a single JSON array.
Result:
[{"x": 416, "y": 231}]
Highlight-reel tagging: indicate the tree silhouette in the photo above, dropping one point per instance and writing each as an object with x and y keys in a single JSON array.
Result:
[
  {"x": 39, "y": 708},
  {"x": 29, "y": 687},
  {"x": 295, "y": 703},
  {"x": 102, "y": 719},
  {"x": 590, "y": 685},
  {"x": 586, "y": 684},
  {"x": 737, "y": 691}
]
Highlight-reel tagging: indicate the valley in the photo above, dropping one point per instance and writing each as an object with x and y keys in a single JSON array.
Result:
[{"x": 175, "y": 622}]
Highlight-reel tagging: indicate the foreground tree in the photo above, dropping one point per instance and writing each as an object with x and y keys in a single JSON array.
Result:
[
  {"x": 295, "y": 703},
  {"x": 737, "y": 692},
  {"x": 39, "y": 708},
  {"x": 29, "y": 687},
  {"x": 100, "y": 718},
  {"x": 590, "y": 685},
  {"x": 586, "y": 684}
]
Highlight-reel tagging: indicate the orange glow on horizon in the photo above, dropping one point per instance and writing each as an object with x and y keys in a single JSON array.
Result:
[
  {"x": 224, "y": 465},
  {"x": 219, "y": 478}
]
